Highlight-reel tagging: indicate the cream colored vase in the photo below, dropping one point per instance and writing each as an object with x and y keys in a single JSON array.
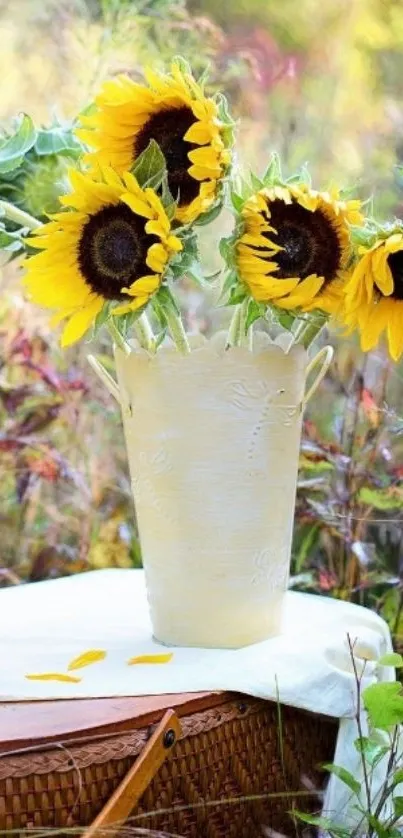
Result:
[{"x": 213, "y": 440}]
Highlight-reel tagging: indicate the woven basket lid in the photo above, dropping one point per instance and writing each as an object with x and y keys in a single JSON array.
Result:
[{"x": 27, "y": 723}]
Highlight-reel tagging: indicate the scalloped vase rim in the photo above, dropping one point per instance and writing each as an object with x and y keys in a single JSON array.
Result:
[{"x": 216, "y": 344}]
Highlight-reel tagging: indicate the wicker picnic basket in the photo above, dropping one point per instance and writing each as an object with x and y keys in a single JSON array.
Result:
[{"x": 60, "y": 762}]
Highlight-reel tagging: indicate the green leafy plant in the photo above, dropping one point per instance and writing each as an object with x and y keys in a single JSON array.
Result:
[{"x": 378, "y": 811}]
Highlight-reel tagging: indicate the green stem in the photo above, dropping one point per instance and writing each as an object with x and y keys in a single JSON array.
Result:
[
  {"x": 175, "y": 326},
  {"x": 117, "y": 337},
  {"x": 250, "y": 338},
  {"x": 19, "y": 216},
  {"x": 299, "y": 331},
  {"x": 311, "y": 331},
  {"x": 144, "y": 332},
  {"x": 236, "y": 331}
]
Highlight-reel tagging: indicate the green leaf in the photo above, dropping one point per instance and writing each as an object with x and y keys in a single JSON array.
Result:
[
  {"x": 223, "y": 110},
  {"x": 344, "y": 776},
  {"x": 203, "y": 78},
  {"x": 380, "y": 829},
  {"x": 398, "y": 807},
  {"x": 304, "y": 176},
  {"x": 272, "y": 174},
  {"x": 230, "y": 281},
  {"x": 159, "y": 313},
  {"x": 306, "y": 546},
  {"x": 379, "y": 498},
  {"x": 256, "y": 182},
  {"x": 101, "y": 318},
  {"x": 237, "y": 295},
  {"x": 384, "y": 704},
  {"x": 194, "y": 271},
  {"x": 237, "y": 201},
  {"x": 363, "y": 236},
  {"x": 397, "y": 777},
  {"x": 323, "y": 823},
  {"x": 167, "y": 300},
  {"x": 316, "y": 466},
  {"x": 285, "y": 319},
  {"x": 150, "y": 166},
  {"x": 14, "y": 148},
  {"x": 126, "y": 320},
  {"x": 372, "y": 751},
  {"x": 183, "y": 65},
  {"x": 57, "y": 140},
  {"x": 167, "y": 197},
  {"x": 255, "y": 312},
  {"x": 160, "y": 338},
  {"x": 226, "y": 247},
  {"x": 393, "y": 659},
  {"x": 209, "y": 216},
  {"x": 10, "y": 242}
]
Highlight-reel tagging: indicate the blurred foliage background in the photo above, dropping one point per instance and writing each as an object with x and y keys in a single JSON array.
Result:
[{"x": 321, "y": 83}]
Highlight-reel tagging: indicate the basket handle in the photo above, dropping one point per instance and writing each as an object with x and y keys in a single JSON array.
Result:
[
  {"x": 323, "y": 358},
  {"x": 116, "y": 811},
  {"x": 106, "y": 378}
]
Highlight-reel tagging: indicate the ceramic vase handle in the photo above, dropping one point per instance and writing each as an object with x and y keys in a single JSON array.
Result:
[
  {"x": 323, "y": 359},
  {"x": 105, "y": 377}
]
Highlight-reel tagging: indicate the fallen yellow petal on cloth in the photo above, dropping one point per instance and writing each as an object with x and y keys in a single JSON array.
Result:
[
  {"x": 150, "y": 659},
  {"x": 53, "y": 676},
  {"x": 86, "y": 659}
]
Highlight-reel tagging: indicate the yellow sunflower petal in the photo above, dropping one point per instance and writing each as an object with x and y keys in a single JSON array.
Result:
[
  {"x": 255, "y": 240},
  {"x": 205, "y": 172},
  {"x": 382, "y": 273},
  {"x": 199, "y": 133},
  {"x": 174, "y": 244},
  {"x": 304, "y": 292},
  {"x": 204, "y": 157},
  {"x": 157, "y": 258},
  {"x": 373, "y": 320},
  {"x": 394, "y": 243},
  {"x": 249, "y": 262},
  {"x": 80, "y": 322},
  {"x": 269, "y": 288},
  {"x": 53, "y": 676},
  {"x": 155, "y": 228},
  {"x": 125, "y": 308},
  {"x": 155, "y": 202},
  {"x": 205, "y": 110},
  {"x": 143, "y": 286},
  {"x": 86, "y": 659},
  {"x": 140, "y": 659},
  {"x": 395, "y": 330},
  {"x": 137, "y": 205},
  {"x": 57, "y": 288}
]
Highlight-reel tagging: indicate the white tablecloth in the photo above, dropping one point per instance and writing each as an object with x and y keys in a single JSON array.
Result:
[{"x": 45, "y": 625}]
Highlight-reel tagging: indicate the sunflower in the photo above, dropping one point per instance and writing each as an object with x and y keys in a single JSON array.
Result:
[
  {"x": 374, "y": 294},
  {"x": 173, "y": 112},
  {"x": 295, "y": 247},
  {"x": 113, "y": 244}
]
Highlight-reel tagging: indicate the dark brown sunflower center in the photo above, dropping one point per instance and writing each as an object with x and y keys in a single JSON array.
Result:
[
  {"x": 168, "y": 128},
  {"x": 309, "y": 241},
  {"x": 395, "y": 262},
  {"x": 112, "y": 250}
]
